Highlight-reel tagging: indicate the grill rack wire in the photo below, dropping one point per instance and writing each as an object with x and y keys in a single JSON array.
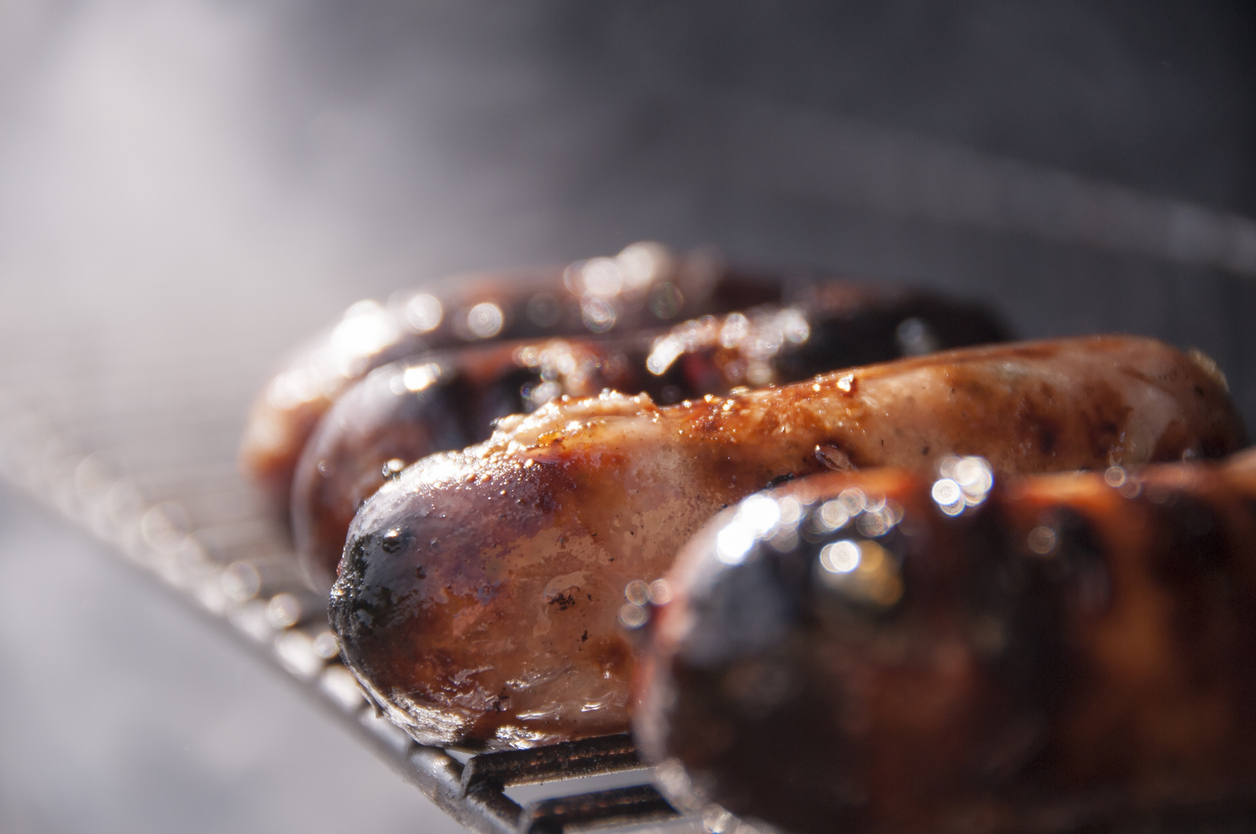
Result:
[{"x": 150, "y": 471}]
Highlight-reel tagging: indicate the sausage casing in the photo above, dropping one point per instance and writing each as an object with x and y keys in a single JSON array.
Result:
[
  {"x": 889, "y": 652},
  {"x": 478, "y": 596}
]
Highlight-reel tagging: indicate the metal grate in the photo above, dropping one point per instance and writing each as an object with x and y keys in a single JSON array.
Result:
[{"x": 150, "y": 470}]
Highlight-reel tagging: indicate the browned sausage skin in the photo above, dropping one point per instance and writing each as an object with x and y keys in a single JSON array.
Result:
[
  {"x": 479, "y": 593},
  {"x": 450, "y": 399},
  {"x": 889, "y": 652},
  {"x": 643, "y": 286}
]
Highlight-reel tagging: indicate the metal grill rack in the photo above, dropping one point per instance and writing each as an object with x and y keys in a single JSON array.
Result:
[
  {"x": 150, "y": 470},
  {"x": 126, "y": 420}
]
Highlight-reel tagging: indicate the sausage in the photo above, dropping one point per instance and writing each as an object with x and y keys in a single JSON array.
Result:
[
  {"x": 446, "y": 400},
  {"x": 478, "y": 594},
  {"x": 888, "y": 652},
  {"x": 642, "y": 286},
  {"x": 406, "y": 410}
]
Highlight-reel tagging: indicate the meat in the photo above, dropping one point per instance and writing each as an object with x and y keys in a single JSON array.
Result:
[
  {"x": 642, "y": 286},
  {"x": 478, "y": 596},
  {"x": 450, "y": 399},
  {"x": 889, "y": 651}
]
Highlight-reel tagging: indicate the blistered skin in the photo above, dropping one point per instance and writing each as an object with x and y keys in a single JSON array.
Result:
[
  {"x": 478, "y": 597},
  {"x": 643, "y": 286},
  {"x": 450, "y": 399},
  {"x": 869, "y": 652}
]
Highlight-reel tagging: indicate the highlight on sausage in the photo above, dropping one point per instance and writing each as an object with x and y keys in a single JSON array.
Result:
[
  {"x": 479, "y": 594},
  {"x": 449, "y": 399},
  {"x": 891, "y": 651},
  {"x": 645, "y": 285}
]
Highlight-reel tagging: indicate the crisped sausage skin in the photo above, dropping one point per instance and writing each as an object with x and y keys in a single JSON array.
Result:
[
  {"x": 1070, "y": 652},
  {"x": 479, "y": 593}
]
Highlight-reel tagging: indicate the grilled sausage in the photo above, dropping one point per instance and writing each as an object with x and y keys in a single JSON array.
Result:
[
  {"x": 888, "y": 652},
  {"x": 450, "y": 399},
  {"x": 478, "y": 596},
  {"x": 643, "y": 286}
]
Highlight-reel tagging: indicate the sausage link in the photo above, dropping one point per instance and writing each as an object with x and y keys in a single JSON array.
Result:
[
  {"x": 478, "y": 596},
  {"x": 447, "y": 400},
  {"x": 886, "y": 652}
]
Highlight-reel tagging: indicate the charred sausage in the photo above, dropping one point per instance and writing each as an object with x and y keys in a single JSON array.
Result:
[
  {"x": 478, "y": 595},
  {"x": 888, "y": 652}
]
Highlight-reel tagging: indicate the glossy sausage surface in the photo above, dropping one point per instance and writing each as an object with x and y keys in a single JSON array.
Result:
[
  {"x": 450, "y": 399},
  {"x": 889, "y": 652},
  {"x": 643, "y": 286},
  {"x": 479, "y": 594}
]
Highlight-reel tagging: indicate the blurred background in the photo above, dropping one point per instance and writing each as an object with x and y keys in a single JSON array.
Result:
[{"x": 188, "y": 187}]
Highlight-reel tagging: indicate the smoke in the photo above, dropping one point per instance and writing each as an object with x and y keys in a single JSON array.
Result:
[
  {"x": 321, "y": 146},
  {"x": 194, "y": 159}
]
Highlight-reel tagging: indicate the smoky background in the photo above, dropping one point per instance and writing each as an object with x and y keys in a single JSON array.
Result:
[{"x": 227, "y": 176}]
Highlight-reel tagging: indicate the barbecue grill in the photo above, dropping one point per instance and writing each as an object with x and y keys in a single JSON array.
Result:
[{"x": 125, "y": 377}]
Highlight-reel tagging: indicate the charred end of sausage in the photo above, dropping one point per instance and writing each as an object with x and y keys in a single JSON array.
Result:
[
  {"x": 444, "y": 616},
  {"x": 398, "y": 414}
]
